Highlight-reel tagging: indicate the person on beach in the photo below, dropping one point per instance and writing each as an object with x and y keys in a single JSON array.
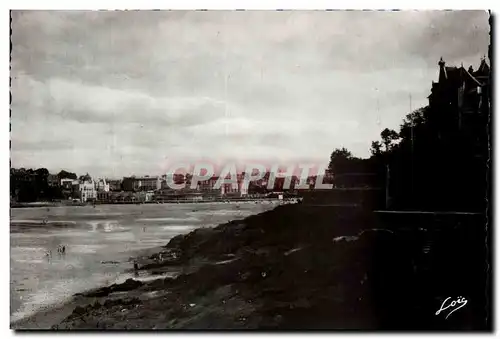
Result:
[
  {"x": 61, "y": 249},
  {"x": 136, "y": 268}
]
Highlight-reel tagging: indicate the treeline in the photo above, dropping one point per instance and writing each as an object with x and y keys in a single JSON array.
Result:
[
  {"x": 428, "y": 164},
  {"x": 435, "y": 165},
  {"x": 29, "y": 185},
  {"x": 440, "y": 158}
]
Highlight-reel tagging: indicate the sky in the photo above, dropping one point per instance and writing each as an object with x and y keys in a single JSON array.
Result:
[{"x": 121, "y": 93}]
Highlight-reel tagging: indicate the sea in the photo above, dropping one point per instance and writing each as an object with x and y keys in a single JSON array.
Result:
[{"x": 99, "y": 244}]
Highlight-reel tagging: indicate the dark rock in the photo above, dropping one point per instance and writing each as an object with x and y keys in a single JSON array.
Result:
[
  {"x": 129, "y": 284},
  {"x": 96, "y": 293},
  {"x": 77, "y": 312}
]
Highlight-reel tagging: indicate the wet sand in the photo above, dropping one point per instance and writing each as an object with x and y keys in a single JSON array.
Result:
[
  {"x": 298, "y": 267},
  {"x": 99, "y": 245}
]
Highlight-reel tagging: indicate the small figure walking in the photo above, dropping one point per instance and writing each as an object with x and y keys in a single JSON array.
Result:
[
  {"x": 136, "y": 268},
  {"x": 61, "y": 249}
]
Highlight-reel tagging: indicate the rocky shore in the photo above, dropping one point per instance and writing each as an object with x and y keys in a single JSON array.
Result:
[{"x": 298, "y": 267}]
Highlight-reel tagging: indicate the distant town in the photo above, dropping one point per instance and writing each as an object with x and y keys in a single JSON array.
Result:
[{"x": 39, "y": 185}]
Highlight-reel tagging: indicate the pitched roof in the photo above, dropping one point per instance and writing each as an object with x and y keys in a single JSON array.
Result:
[
  {"x": 483, "y": 68},
  {"x": 472, "y": 77},
  {"x": 452, "y": 73}
]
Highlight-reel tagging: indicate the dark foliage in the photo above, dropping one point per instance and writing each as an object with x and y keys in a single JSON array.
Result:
[
  {"x": 440, "y": 157},
  {"x": 28, "y": 185}
]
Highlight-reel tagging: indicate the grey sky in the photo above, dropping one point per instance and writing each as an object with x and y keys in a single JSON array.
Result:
[{"x": 117, "y": 93}]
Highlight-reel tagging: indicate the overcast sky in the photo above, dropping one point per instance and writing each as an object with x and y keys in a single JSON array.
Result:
[{"x": 121, "y": 93}]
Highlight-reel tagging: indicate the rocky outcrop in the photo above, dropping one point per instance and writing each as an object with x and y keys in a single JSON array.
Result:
[{"x": 296, "y": 267}]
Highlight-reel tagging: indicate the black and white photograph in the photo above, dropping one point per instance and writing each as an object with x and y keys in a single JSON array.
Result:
[{"x": 251, "y": 170}]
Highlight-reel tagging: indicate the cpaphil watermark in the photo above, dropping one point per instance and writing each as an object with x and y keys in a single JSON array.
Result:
[{"x": 185, "y": 175}]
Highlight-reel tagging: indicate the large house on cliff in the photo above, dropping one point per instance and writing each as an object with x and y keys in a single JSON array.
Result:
[
  {"x": 451, "y": 157},
  {"x": 461, "y": 98}
]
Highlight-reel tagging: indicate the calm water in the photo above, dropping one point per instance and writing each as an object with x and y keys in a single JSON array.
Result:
[{"x": 94, "y": 236}]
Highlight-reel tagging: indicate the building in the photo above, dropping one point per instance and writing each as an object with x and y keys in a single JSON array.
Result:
[
  {"x": 145, "y": 183},
  {"x": 123, "y": 197},
  {"x": 102, "y": 185},
  {"x": 206, "y": 185},
  {"x": 104, "y": 196},
  {"x": 207, "y": 188},
  {"x": 448, "y": 145},
  {"x": 145, "y": 196},
  {"x": 87, "y": 190},
  {"x": 67, "y": 184},
  {"x": 460, "y": 98},
  {"x": 177, "y": 178},
  {"x": 229, "y": 190},
  {"x": 53, "y": 180},
  {"x": 128, "y": 184},
  {"x": 69, "y": 188},
  {"x": 242, "y": 187},
  {"x": 114, "y": 185}
]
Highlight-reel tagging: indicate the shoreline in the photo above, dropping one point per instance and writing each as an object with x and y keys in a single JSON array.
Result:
[
  {"x": 17, "y": 316},
  {"x": 68, "y": 304},
  {"x": 219, "y": 201},
  {"x": 295, "y": 267}
]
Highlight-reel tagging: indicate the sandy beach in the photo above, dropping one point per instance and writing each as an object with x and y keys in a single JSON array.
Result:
[
  {"x": 294, "y": 267},
  {"x": 100, "y": 245}
]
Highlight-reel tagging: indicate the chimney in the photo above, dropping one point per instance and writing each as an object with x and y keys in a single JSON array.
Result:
[{"x": 442, "y": 70}]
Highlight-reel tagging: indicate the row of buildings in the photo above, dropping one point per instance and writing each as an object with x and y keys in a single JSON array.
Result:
[{"x": 156, "y": 188}]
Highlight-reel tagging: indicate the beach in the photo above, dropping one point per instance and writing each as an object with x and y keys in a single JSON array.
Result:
[
  {"x": 294, "y": 267},
  {"x": 100, "y": 243}
]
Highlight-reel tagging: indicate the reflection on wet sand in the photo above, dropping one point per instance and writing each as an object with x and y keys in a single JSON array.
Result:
[{"x": 60, "y": 251}]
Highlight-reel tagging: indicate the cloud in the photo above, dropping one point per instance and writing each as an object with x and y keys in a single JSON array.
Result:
[
  {"x": 86, "y": 103},
  {"x": 129, "y": 89}
]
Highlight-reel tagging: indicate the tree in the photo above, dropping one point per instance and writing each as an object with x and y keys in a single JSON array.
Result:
[
  {"x": 376, "y": 148},
  {"x": 67, "y": 175},
  {"x": 42, "y": 172},
  {"x": 41, "y": 184},
  {"x": 85, "y": 177},
  {"x": 28, "y": 185},
  {"x": 388, "y": 137},
  {"x": 339, "y": 160},
  {"x": 417, "y": 117},
  {"x": 341, "y": 153}
]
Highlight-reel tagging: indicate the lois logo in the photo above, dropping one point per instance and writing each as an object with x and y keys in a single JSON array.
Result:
[{"x": 452, "y": 306}]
